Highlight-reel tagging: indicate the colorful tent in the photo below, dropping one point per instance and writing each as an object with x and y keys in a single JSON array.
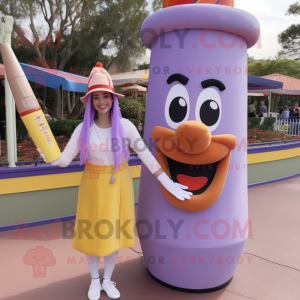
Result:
[
  {"x": 129, "y": 78},
  {"x": 54, "y": 78},
  {"x": 291, "y": 86},
  {"x": 254, "y": 82}
]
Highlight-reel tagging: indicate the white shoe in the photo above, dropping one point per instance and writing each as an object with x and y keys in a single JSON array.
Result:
[
  {"x": 110, "y": 288},
  {"x": 95, "y": 290}
]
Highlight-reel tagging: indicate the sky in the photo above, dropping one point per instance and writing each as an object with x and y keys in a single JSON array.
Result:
[
  {"x": 271, "y": 16},
  {"x": 272, "y": 19}
]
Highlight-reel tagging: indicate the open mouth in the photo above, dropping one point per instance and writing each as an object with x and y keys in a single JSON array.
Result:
[
  {"x": 204, "y": 172},
  {"x": 197, "y": 177}
]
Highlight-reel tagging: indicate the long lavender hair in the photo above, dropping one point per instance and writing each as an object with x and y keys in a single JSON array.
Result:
[{"x": 117, "y": 131}]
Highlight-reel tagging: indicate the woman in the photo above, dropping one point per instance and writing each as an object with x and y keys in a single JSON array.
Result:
[
  {"x": 105, "y": 197},
  {"x": 285, "y": 112},
  {"x": 252, "y": 110}
]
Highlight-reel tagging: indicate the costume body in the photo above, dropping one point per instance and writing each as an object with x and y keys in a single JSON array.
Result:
[
  {"x": 193, "y": 83},
  {"x": 104, "y": 207}
]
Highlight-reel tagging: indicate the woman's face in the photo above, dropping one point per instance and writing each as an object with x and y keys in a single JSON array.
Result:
[{"x": 102, "y": 101}]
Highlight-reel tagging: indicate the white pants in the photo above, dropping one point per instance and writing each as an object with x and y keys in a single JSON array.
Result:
[{"x": 109, "y": 264}]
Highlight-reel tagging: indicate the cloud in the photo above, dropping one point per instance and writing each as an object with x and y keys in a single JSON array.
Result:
[{"x": 272, "y": 19}]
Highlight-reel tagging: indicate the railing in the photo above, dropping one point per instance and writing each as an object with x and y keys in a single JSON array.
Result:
[
  {"x": 273, "y": 143},
  {"x": 289, "y": 125},
  {"x": 132, "y": 155}
]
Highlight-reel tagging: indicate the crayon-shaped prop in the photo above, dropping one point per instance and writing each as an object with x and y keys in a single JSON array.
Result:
[{"x": 28, "y": 107}]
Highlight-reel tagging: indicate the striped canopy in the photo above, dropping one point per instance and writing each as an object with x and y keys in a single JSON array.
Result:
[
  {"x": 54, "y": 78},
  {"x": 291, "y": 86}
]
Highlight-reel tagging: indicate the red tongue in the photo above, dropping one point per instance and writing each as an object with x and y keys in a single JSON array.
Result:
[{"x": 194, "y": 183}]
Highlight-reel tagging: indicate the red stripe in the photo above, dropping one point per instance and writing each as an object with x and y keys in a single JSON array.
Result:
[
  {"x": 27, "y": 112},
  {"x": 101, "y": 86}
]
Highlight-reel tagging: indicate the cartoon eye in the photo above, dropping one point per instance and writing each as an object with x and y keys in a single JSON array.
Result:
[
  {"x": 177, "y": 108},
  {"x": 208, "y": 108}
]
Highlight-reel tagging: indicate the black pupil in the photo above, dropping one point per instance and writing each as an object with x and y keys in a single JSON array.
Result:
[
  {"x": 178, "y": 109},
  {"x": 209, "y": 112}
]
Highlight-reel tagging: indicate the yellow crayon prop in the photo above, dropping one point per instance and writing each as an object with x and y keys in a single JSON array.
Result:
[{"x": 28, "y": 107}]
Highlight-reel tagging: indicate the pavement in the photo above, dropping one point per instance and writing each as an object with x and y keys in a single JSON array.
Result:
[{"x": 270, "y": 268}]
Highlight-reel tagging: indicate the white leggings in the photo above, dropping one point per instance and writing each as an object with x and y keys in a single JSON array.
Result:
[{"x": 109, "y": 264}]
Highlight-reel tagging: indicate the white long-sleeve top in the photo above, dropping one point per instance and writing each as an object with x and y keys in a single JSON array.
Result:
[{"x": 100, "y": 147}]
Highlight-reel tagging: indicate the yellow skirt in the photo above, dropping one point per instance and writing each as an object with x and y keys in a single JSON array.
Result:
[{"x": 105, "y": 218}]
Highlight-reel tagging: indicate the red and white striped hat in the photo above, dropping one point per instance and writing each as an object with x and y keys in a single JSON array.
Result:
[{"x": 99, "y": 80}]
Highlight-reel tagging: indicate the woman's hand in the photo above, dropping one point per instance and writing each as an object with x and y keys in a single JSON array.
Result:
[
  {"x": 41, "y": 154},
  {"x": 174, "y": 188}
]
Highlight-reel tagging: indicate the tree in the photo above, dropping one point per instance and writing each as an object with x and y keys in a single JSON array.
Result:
[
  {"x": 157, "y": 5},
  {"x": 290, "y": 38},
  {"x": 144, "y": 66},
  {"x": 85, "y": 30},
  {"x": 68, "y": 14},
  {"x": 262, "y": 67}
]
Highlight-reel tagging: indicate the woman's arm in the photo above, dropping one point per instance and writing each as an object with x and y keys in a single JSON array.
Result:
[
  {"x": 71, "y": 150},
  {"x": 137, "y": 143}
]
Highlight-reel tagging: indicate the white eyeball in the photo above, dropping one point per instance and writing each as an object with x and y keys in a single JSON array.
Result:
[
  {"x": 209, "y": 108},
  {"x": 177, "y": 107}
]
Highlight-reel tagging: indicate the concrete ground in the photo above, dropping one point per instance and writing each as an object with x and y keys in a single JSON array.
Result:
[{"x": 272, "y": 273}]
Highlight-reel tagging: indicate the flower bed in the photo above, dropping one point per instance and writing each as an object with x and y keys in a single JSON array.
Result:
[
  {"x": 26, "y": 150},
  {"x": 263, "y": 136}
]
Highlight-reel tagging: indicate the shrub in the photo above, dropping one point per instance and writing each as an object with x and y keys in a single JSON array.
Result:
[
  {"x": 63, "y": 127},
  {"x": 131, "y": 109},
  {"x": 21, "y": 131},
  {"x": 268, "y": 123},
  {"x": 253, "y": 123},
  {"x": 58, "y": 128}
]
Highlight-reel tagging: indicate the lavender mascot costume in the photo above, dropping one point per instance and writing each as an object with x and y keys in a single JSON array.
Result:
[{"x": 196, "y": 113}]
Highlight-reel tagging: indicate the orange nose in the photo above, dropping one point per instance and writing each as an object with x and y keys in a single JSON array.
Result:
[{"x": 192, "y": 137}]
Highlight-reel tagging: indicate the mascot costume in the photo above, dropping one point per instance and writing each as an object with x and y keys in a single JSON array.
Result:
[{"x": 198, "y": 74}]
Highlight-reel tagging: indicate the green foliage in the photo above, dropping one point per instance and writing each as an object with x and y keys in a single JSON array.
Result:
[
  {"x": 144, "y": 66},
  {"x": 63, "y": 127},
  {"x": 112, "y": 37},
  {"x": 289, "y": 38},
  {"x": 253, "y": 123},
  {"x": 268, "y": 123},
  {"x": 21, "y": 131},
  {"x": 157, "y": 5},
  {"x": 131, "y": 109},
  {"x": 58, "y": 128},
  {"x": 80, "y": 117},
  {"x": 286, "y": 67}
]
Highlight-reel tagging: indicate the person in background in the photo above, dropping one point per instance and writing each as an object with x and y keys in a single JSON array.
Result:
[
  {"x": 295, "y": 112},
  {"x": 252, "y": 110},
  {"x": 262, "y": 107},
  {"x": 285, "y": 112},
  {"x": 262, "y": 111},
  {"x": 280, "y": 111}
]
